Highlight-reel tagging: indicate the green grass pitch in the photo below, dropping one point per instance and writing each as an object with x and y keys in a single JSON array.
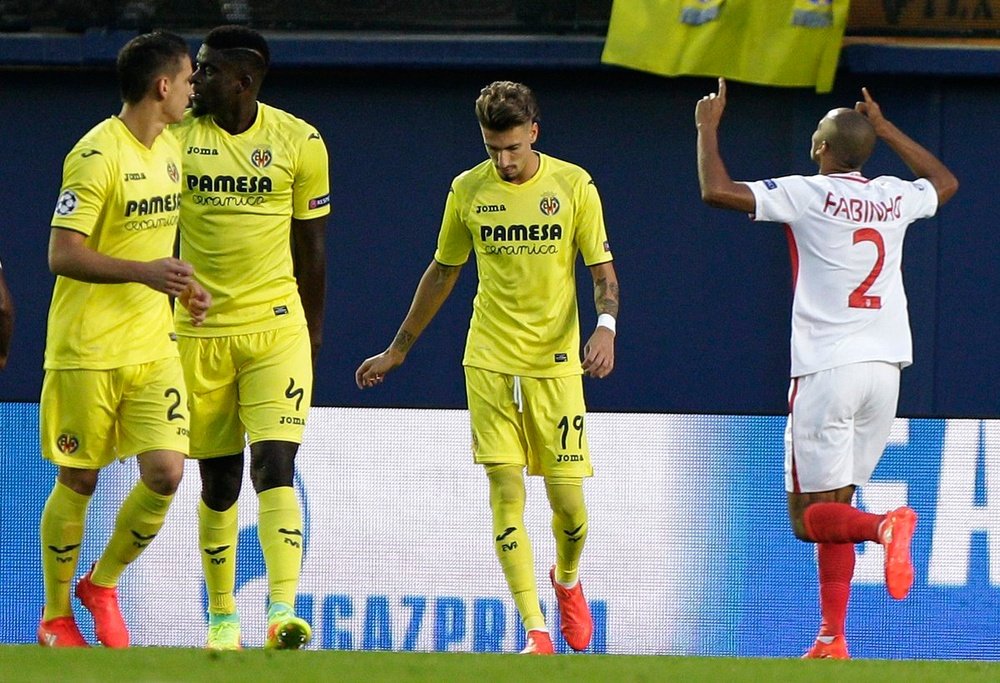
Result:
[{"x": 32, "y": 663}]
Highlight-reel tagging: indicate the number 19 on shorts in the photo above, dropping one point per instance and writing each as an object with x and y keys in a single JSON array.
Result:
[{"x": 571, "y": 448}]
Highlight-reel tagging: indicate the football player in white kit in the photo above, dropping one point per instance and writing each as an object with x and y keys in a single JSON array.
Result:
[{"x": 850, "y": 330}]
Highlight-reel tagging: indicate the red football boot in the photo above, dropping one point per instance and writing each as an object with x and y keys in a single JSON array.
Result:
[{"x": 575, "y": 621}]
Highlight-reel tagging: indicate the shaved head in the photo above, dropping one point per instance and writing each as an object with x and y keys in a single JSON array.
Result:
[{"x": 848, "y": 135}]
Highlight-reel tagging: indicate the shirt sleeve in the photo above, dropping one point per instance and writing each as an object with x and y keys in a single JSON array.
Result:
[
  {"x": 779, "y": 200},
  {"x": 922, "y": 198},
  {"x": 454, "y": 239},
  {"x": 86, "y": 184},
  {"x": 591, "y": 233},
  {"x": 311, "y": 186}
]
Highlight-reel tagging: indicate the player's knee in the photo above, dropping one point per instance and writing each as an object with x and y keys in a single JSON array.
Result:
[
  {"x": 219, "y": 499},
  {"x": 273, "y": 470},
  {"x": 508, "y": 494},
  {"x": 506, "y": 487},
  {"x": 83, "y": 482},
  {"x": 164, "y": 479},
  {"x": 567, "y": 502},
  {"x": 799, "y": 529},
  {"x": 569, "y": 511},
  {"x": 220, "y": 486}
]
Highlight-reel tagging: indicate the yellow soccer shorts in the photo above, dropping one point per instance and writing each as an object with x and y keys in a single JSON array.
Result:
[
  {"x": 535, "y": 422},
  {"x": 247, "y": 388},
  {"x": 90, "y": 418}
]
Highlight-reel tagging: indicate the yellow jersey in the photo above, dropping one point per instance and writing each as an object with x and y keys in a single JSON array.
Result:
[
  {"x": 125, "y": 198},
  {"x": 240, "y": 193},
  {"x": 526, "y": 239}
]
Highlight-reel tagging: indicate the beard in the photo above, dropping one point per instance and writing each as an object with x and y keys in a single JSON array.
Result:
[{"x": 198, "y": 108}]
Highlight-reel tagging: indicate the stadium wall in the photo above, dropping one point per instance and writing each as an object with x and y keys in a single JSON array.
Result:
[{"x": 706, "y": 294}]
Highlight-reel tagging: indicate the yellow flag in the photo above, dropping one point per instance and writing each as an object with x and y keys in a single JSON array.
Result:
[
  {"x": 813, "y": 13},
  {"x": 768, "y": 42},
  {"x": 697, "y": 12}
]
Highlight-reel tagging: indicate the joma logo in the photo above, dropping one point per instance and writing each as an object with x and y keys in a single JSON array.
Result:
[{"x": 490, "y": 208}]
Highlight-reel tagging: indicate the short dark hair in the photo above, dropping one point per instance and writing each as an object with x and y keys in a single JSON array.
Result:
[
  {"x": 853, "y": 138},
  {"x": 247, "y": 45},
  {"x": 146, "y": 57},
  {"x": 503, "y": 105}
]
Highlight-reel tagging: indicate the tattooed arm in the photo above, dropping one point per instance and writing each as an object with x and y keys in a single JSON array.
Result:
[
  {"x": 599, "y": 351},
  {"x": 435, "y": 286}
]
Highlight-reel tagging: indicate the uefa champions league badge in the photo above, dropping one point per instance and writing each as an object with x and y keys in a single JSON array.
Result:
[{"x": 66, "y": 204}]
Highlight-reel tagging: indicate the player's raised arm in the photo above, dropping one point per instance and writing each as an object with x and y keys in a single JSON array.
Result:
[
  {"x": 914, "y": 155},
  {"x": 434, "y": 288},
  {"x": 717, "y": 188}
]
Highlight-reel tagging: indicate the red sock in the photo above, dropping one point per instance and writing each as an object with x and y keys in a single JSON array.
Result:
[
  {"x": 836, "y": 568},
  {"x": 840, "y": 523}
]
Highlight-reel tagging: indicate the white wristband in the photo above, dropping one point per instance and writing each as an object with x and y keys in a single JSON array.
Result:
[{"x": 607, "y": 320}]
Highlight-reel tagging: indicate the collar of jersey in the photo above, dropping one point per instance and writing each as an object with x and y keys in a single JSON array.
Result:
[
  {"x": 851, "y": 175},
  {"x": 253, "y": 126},
  {"x": 133, "y": 140},
  {"x": 542, "y": 163}
]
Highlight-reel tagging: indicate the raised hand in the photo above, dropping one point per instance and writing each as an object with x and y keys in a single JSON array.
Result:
[
  {"x": 870, "y": 109},
  {"x": 708, "y": 111}
]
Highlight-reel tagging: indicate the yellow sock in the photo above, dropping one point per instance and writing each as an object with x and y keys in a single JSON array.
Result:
[
  {"x": 279, "y": 528},
  {"x": 217, "y": 534},
  {"x": 139, "y": 520},
  {"x": 61, "y": 532},
  {"x": 569, "y": 526},
  {"x": 511, "y": 542}
]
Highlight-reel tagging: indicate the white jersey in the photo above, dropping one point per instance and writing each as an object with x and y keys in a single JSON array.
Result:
[{"x": 846, "y": 236}]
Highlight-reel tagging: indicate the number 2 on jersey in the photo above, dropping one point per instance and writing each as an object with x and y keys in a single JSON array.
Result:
[{"x": 859, "y": 298}]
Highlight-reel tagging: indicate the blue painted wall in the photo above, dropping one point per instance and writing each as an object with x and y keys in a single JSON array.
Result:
[{"x": 705, "y": 294}]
